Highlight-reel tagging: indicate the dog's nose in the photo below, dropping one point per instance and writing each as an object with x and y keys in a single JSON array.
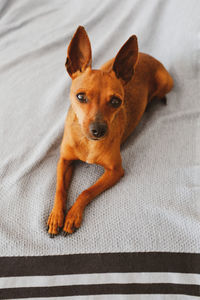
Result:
[{"x": 98, "y": 129}]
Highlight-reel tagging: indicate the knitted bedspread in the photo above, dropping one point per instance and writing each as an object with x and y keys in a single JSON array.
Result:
[{"x": 142, "y": 236}]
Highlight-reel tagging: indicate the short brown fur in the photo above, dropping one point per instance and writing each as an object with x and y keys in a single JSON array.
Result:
[{"x": 134, "y": 78}]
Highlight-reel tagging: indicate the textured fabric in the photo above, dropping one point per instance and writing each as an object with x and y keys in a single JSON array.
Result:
[{"x": 155, "y": 207}]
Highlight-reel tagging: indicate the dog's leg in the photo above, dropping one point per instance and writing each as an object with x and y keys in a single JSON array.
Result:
[
  {"x": 56, "y": 218},
  {"x": 74, "y": 217}
]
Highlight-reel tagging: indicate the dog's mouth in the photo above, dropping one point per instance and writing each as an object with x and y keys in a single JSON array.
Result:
[{"x": 96, "y": 139}]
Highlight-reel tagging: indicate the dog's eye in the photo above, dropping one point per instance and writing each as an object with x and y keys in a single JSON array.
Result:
[
  {"x": 81, "y": 98},
  {"x": 115, "y": 102}
]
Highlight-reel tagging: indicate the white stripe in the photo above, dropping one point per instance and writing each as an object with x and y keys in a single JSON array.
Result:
[
  {"x": 119, "y": 297},
  {"x": 100, "y": 278}
]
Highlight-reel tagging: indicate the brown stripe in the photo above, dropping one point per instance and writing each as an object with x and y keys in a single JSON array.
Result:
[
  {"x": 102, "y": 289},
  {"x": 100, "y": 263}
]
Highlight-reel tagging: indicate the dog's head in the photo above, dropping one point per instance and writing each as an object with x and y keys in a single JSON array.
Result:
[{"x": 97, "y": 95}]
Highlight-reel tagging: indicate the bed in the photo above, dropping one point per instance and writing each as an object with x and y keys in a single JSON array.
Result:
[{"x": 139, "y": 239}]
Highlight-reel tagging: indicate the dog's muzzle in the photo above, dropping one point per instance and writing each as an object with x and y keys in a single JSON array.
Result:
[{"x": 98, "y": 129}]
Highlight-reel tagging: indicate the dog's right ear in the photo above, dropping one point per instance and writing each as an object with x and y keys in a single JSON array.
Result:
[{"x": 79, "y": 54}]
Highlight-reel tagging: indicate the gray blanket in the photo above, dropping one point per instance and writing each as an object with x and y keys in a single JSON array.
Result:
[{"x": 155, "y": 207}]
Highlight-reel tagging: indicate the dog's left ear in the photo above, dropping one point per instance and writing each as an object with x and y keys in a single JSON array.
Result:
[
  {"x": 126, "y": 59},
  {"x": 79, "y": 54}
]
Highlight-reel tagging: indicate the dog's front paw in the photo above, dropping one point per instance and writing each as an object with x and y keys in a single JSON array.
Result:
[
  {"x": 55, "y": 222},
  {"x": 73, "y": 219}
]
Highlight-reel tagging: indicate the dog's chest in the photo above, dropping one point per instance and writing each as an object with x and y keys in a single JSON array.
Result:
[
  {"x": 90, "y": 159},
  {"x": 94, "y": 157},
  {"x": 90, "y": 151}
]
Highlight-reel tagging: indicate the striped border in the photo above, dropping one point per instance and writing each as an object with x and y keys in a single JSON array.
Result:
[
  {"x": 100, "y": 263},
  {"x": 99, "y": 289},
  {"x": 100, "y": 274}
]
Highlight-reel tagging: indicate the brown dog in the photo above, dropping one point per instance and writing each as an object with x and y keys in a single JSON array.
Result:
[{"x": 106, "y": 106}]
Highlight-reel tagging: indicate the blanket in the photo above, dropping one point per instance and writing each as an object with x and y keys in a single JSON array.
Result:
[{"x": 146, "y": 228}]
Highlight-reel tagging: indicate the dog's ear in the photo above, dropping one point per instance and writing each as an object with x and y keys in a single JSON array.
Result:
[
  {"x": 126, "y": 59},
  {"x": 79, "y": 54}
]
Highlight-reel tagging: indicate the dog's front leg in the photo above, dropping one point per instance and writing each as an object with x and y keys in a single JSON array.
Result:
[
  {"x": 56, "y": 218},
  {"x": 109, "y": 178}
]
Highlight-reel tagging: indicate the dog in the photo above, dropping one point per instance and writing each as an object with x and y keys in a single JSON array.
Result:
[{"x": 106, "y": 106}]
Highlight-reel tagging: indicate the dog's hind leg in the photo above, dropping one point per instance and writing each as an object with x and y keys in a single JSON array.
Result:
[{"x": 164, "y": 84}]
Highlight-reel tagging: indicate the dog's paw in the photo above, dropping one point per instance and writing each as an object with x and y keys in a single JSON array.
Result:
[
  {"x": 73, "y": 219},
  {"x": 55, "y": 222}
]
